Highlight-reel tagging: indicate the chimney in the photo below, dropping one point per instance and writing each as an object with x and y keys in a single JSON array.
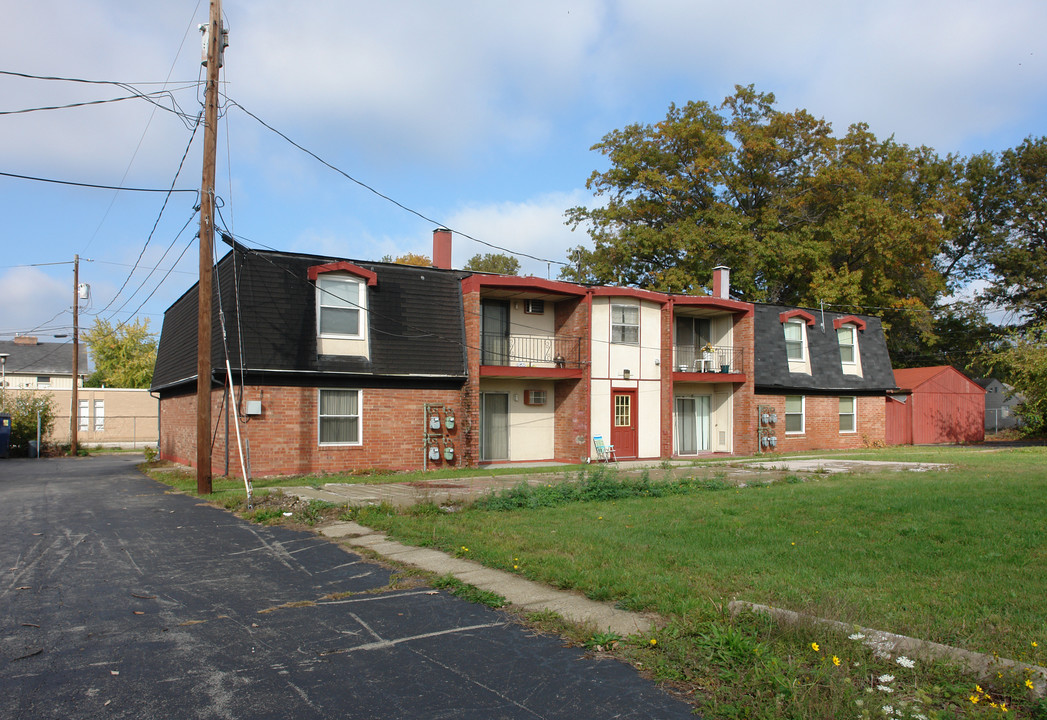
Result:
[
  {"x": 442, "y": 248},
  {"x": 25, "y": 340},
  {"x": 722, "y": 282}
]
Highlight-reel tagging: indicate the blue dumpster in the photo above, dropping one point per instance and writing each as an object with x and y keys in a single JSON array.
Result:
[{"x": 5, "y": 434}]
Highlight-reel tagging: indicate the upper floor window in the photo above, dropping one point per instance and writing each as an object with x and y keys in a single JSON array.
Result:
[
  {"x": 625, "y": 324},
  {"x": 338, "y": 305},
  {"x": 794, "y": 336},
  {"x": 848, "y": 345}
]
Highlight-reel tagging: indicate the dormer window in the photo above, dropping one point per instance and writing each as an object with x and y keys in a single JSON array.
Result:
[
  {"x": 794, "y": 340},
  {"x": 338, "y": 302},
  {"x": 341, "y": 308},
  {"x": 846, "y": 337}
]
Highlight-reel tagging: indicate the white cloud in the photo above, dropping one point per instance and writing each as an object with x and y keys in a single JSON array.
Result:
[
  {"x": 534, "y": 226},
  {"x": 34, "y": 301}
]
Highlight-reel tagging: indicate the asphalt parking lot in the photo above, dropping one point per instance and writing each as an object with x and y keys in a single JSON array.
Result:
[{"x": 121, "y": 599}]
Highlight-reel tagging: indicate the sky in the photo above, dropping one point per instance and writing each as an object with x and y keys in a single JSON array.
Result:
[{"x": 475, "y": 115}]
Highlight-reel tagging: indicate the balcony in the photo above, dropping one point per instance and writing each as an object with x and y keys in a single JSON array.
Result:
[
  {"x": 712, "y": 360},
  {"x": 530, "y": 355}
]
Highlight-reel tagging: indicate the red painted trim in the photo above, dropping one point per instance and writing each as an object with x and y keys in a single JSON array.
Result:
[
  {"x": 796, "y": 313},
  {"x": 474, "y": 283},
  {"x": 604, "y": 291},
  {"x": 693, "y": 377},
  {"x": 849, "y": 320},
  {"x": 527, "y": 372},
  {"x": 343, "y": 266},
  {"x": 714, "y": 302}
]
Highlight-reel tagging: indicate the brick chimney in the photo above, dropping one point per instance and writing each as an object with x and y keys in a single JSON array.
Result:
[
  {"x": 442, "y": 248},
  {"x": 722, "y": 282},
  {"x": 26, "y": 340}
]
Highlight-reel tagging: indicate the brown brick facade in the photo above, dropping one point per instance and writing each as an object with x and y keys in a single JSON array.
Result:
[
  {"x": 283, "y": 440},
  {"x": 822, "y": 423}
]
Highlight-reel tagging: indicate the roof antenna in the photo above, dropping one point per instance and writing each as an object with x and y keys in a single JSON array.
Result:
[{"x": 821, "y": 304}]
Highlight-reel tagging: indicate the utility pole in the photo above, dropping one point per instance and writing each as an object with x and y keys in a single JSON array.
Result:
[
  {"x": 74, "y": 414},
  {"x": 214, "y": 39}
]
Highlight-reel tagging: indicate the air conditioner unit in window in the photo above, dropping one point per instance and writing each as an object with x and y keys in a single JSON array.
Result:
[
  {"x": 534, "y": 397},
  {"x": 534, "y": 307}
]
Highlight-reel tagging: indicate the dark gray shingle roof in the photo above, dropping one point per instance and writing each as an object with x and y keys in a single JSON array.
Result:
[{"x": 45, "y": 358}]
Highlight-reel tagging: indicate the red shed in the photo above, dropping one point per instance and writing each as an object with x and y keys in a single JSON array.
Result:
[{"x": 935, "y": 405}]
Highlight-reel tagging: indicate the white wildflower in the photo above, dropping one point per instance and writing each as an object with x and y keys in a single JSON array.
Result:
[
  {"x": 885, "y": 688},
  {"x": 886, "y": 678},
  {"x": 905, "y": 662},
  {"x": 888, "y": 710},
  {"x": 856, "y": 636},
  {"x": 859, "y": 702},
  {"x": 920, "y": 716}
]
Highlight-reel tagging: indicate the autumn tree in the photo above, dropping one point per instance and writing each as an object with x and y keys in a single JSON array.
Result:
[
  {"x": 1019, "y": 262},
  {"x": 800, "y": 215},
  {"x": 409, "y": 259},
  {"x": 494, "y": 263},
  {"x": 123, "y": 355}
]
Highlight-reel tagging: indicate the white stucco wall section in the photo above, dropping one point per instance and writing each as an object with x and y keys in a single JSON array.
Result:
[{"x": 531, "y": 427}]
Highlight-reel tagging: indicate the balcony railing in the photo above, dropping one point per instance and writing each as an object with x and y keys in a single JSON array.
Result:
[
  {"x": 531, "y": 351},
  {"x": 717, "y": 359}
]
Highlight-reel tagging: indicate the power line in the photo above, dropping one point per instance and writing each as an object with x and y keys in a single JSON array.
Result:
[
  {"x": 397, "y": 203},
  {"x": 85, "y": 103},
  {"x": 94, "y": 185}
]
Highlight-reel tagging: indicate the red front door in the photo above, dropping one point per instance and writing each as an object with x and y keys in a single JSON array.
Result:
[{"x": 623, "y": 423}]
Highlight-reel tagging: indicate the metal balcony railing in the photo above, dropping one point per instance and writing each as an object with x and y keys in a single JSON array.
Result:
[
  {"x": 531, "y": 351},
  {"x": 716, "y": 359}
]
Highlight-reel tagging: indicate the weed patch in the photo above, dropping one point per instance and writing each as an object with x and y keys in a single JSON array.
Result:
[{"x": 469, "y": 592}]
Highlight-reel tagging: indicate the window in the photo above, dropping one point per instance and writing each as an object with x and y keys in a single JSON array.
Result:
[
  {"x": 847, "y": 414},
  {"x": 625, "y": 324},
  {"x": 99, "y": 415},
  {"x": 534, "y": 307},
  {"x": 794, "y": 340},
  {"x": 82, "y": 415},
  {"x": 845, "y": 336},
  {"x": 623, "y": 412},
  {"x": 339, "y": 417},
  {"x": 338, "y": 305},
  {"x": 43, "y": 381},
  {"x": 794, "y": 414}
]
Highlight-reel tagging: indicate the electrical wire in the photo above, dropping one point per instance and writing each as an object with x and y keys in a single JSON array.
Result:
[
  {"x": 412, "y": 211},
  {"x": 167, "y": 198},
  {"x": 96, "y": 186},
  {"x": 85, "y": 103}
]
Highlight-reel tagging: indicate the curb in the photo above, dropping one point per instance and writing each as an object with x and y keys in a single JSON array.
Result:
[{"x": 520, "y": 592}]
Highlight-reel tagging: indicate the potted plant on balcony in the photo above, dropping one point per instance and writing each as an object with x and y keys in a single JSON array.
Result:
[{"x": 707, "y": 357}]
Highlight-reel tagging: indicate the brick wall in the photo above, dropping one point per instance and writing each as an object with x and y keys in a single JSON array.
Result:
[
  {"x": 572, "y": 421},
  {"x": 284, "y": 438},
  {"x": 471, "y": 391},
  {"x": 744, "y": 399},
  {"x": 822, "y": 423}
]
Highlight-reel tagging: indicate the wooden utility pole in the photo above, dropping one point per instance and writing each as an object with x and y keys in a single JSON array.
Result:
[
  {"x": 74, "y": 415},
  {"x": 205, "y": 286}
]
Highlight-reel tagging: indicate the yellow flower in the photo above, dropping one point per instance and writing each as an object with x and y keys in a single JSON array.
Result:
[
  {"x": 1003, "y": 706},
  {"x": 516, "y": 567},
  {"x": 974, "y": 699},
  {"x": 653, "y": 642},
  {"x": 814, "y": 646},
  {"x": 836, "y": 661},
  {"x": 1034, "y": 644},
  {"x": 1028, "y": 684},
  {"x": 979, "y": 688}
]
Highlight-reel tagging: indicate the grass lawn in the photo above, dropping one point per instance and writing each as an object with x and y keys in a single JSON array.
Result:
[{"x": 957, "y": 556}]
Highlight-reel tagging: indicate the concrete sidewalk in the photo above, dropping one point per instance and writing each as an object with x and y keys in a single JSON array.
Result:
[{"x": 524, "y": 594}]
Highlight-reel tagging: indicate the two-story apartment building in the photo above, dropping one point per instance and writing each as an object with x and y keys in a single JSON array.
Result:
[{"x": 340, "y": 364}]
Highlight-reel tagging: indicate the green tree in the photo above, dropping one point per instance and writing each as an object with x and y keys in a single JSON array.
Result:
[
  {"x": 409, "y": 259},
  {"x": 1019, "y": 262},
  {"x": 494, "y": 263},
  {"x": 123, "y": 355},
  {"x": 23, "y": 406},
  {"x": 801, "y": 216},
  {"x": 1023, "y": 362}
]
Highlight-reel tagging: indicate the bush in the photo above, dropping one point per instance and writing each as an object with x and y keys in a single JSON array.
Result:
[{"x": 23, "y": 407}]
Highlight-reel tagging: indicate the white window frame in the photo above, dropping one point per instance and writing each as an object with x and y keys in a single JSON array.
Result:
[
  {"x": 802, "y": 414},
  {"x": 802, "y": 342},
  {"x": 340, "y": 293},
  {"x": 619, "y": 327},
  {"x": 99, "y": 408},
  {"x": 853, "y": 344},
  {"x": 853, "y": 414},
  {"x": 359, "y": 418},
  {"x": 83, "y": 415}
]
